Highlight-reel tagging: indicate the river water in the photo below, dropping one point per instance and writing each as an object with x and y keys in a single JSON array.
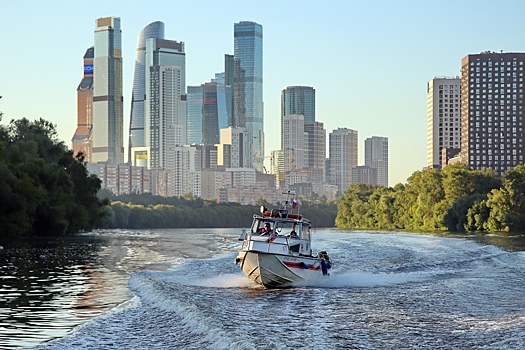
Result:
[{"x": 180, "y": 289}]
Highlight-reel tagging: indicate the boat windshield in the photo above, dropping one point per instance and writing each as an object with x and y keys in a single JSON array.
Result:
[{"x": 285, "y": 228}]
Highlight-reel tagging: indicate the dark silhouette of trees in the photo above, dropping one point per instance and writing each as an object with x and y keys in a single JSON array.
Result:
[{"x": 44, "y": 189}]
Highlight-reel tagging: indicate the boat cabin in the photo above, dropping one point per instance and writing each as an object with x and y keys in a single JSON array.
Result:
[{"x": 279, "y": 232}]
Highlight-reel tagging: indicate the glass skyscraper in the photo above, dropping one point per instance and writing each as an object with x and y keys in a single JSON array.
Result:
[
  {"x": 137, "y": 118},
  {"x": 108, "y": 117},
  {"x": 248, "y": 86}
]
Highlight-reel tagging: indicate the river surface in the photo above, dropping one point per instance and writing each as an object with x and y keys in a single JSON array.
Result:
[{"x": 180, "y": 289}]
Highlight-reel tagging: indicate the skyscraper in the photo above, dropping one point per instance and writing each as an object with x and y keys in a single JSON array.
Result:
[
  {"x": 108, "y": 118},
  {"x": 137, "y": 136},
  {"x": 214, "y": 112},
  {"x": 343, "y": 157},
  {"x": 295, "y": 142},
  {"x": 376, "y": 157},
  {"x": 492, "y": 113},
  {"x": 165, "y": 104},
  {"x": 194, "y": 115},
  {"x": 298, "y": 100},
  {"x": 443, "y": 118},
  {"x": 248, "y": 83},
  {"x": 82, "y": 141}
]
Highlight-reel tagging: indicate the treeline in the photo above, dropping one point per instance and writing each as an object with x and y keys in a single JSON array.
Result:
[
  {"x": 453, "y": 199},
  {"x": 146, "y": 211},
  {"x": 44, "y": 189}
]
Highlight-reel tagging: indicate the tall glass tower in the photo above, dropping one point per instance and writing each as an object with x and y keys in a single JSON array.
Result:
[
  {"x": 108, "y": 117},
  {"x": 136, "y": 125},
  {"x": 248, "y": 86}
]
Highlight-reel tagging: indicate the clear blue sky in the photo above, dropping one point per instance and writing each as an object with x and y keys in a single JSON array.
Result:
[{"x": 369, "y": 61}]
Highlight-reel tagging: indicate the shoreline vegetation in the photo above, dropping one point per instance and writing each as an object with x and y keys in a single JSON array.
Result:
[
  {"x": 454, "y": 199},
  {"x": 46, "y": 191}
]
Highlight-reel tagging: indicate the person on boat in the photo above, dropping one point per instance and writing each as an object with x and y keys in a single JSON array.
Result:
[{"x": 266, "y": 230}]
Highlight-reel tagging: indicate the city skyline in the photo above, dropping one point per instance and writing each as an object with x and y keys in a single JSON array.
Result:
[{"x": 374, "y": 59}]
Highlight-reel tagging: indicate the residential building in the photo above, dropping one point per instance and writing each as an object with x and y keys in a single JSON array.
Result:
[
  {"x": 443, "y": 117},
  {"x": 165, "y": 103},
  {"x": 316, "y": 144},
  {"x": 343, "y": 152},
  {"x": 364, "y": 175},
  {"x": 82, "y": 141},
  {"x": 492, "y": 113},
  {"x": 376, "y": 157},
  {"x": 248, "y": 87},
  {"x": 233, "y": 151},
  {"x": 294, "y": 143},
  {"x": 108, "y": 117}
]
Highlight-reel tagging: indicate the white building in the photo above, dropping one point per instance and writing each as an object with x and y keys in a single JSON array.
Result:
[
  {"x": 294, "y": 143},
  {"x": 443, "y": 117},
  {"x": 343, "y": 153},
  {"x": 376, "y": 157}
]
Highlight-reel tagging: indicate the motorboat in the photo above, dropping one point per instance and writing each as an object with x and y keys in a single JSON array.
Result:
[{"x": 276, "y": 251}]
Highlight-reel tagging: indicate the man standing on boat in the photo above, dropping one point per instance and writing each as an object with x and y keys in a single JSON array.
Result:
[{"x": 266, "y": 230}]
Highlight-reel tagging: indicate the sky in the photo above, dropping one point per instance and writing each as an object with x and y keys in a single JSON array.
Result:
[{"x": 369, "y": 61}]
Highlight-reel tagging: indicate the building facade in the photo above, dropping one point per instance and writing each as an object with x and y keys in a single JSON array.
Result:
[
  {"x": 108, "y": 117},
  {"x": 492, "y": 114},
  {"x": 376, "y": 157},
  {"x": 443, "y": 117},
  {"x": 82, "y": 141},
  {"x": 248, "y": 86},
  {"x": 298, "y": 100},
  {"x": 294, "y": 143},
  {"x": 137, "y": 137},
  {"x": 165, "y": 104},
  {"x": 343, "y": 151}
]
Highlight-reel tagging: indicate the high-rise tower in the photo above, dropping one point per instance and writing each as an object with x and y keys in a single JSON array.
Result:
[
  {"x": 137, "y": 137},
  {"x": 343, "y": 157},
  {"x": 298, "y": 100},
  {"x": 82, "y": 141},
  {"x": 443, "y": 118},
  {"x": 493, "y": 110},
  {"x": 165, "y": 104},
  {"x": 376, "y": 157},
  {"x": 108, "y": 118},
  {"x": 248, "y": 86}
]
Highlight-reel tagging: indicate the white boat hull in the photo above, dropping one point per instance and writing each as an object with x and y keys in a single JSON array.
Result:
[{"x": 278, "y": 270}]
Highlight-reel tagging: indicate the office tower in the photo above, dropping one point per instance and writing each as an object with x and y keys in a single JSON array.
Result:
[
  {"x": 82, "y": 141},
  {"x": 248, "y": 83},
  {"x": 137, "y": 136},
  {"x": 214, "y": 112},
  {"x": 343, "y": 157},
  {"x": 229, "y": 70},
  {"x": 298, "y": 100},
  {"x": 294, "y": 143},
  {"x": 194, "y": 115},
  {"x": 492, "y": 113},
  {"x": 443, "y": 118},
  {"x": 316, "y": 144},
  {"x": 108, "y": 117},
  {"x": 376, "y": 157},
  {"x": 165, "y": 104}
]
